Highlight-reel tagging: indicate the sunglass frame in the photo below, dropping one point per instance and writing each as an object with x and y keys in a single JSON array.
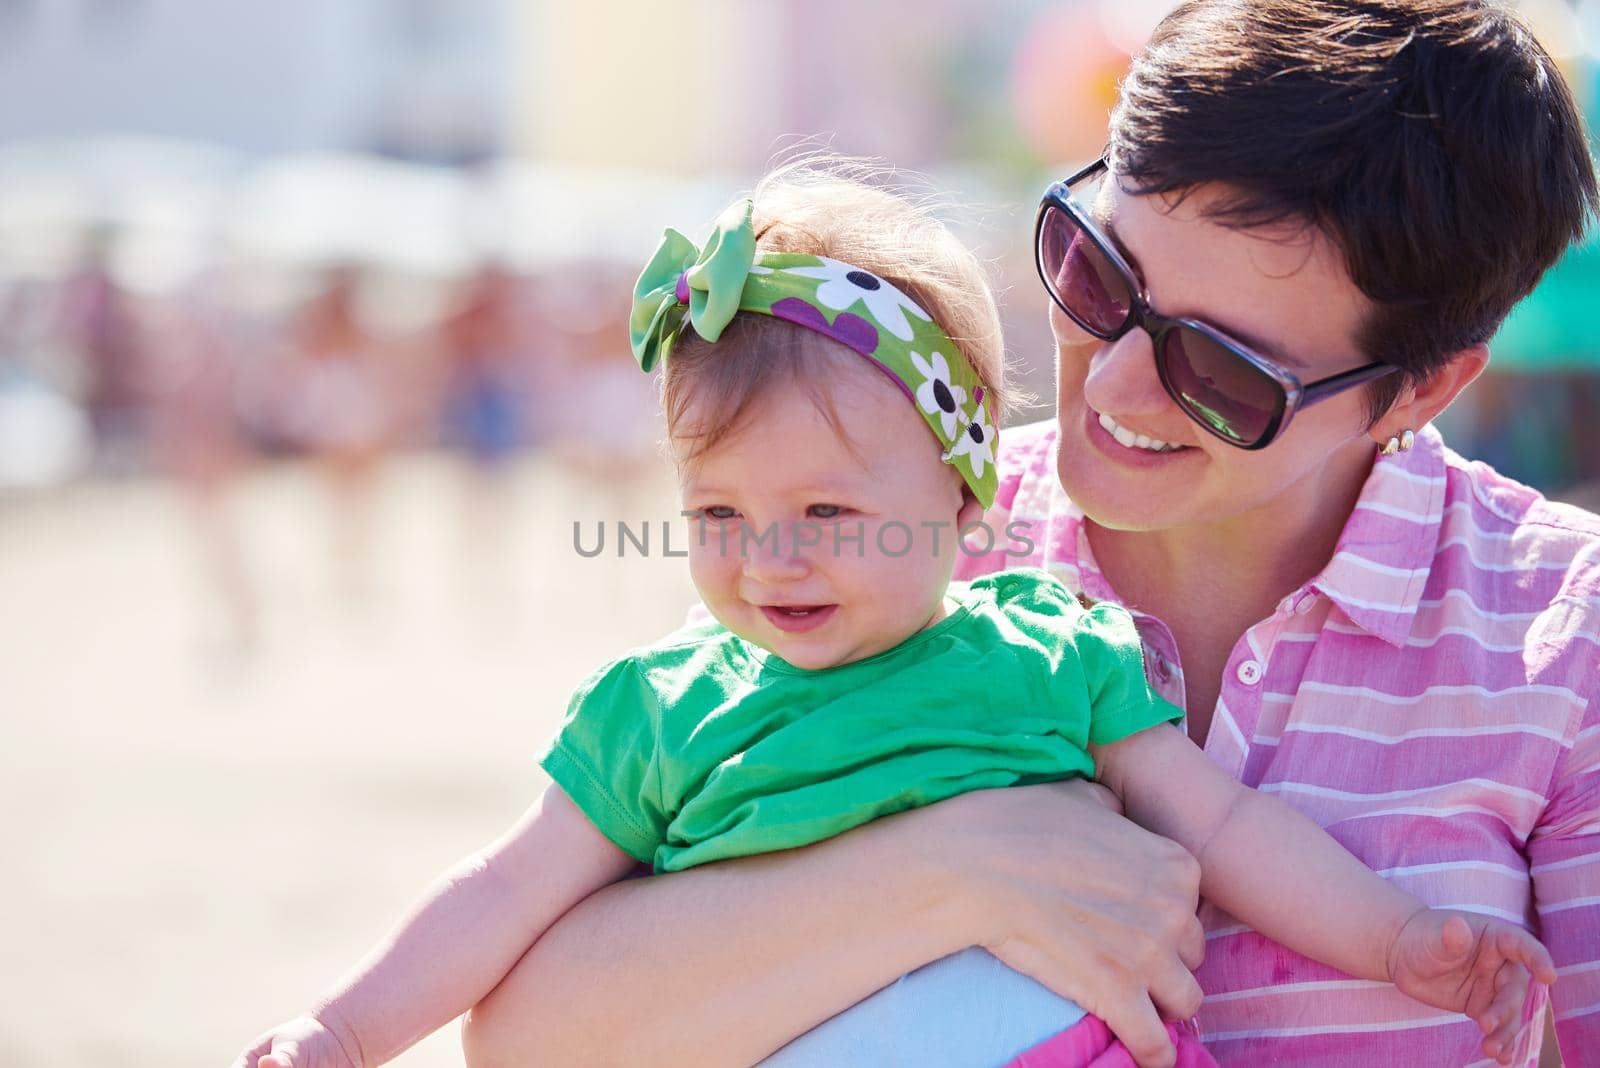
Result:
[{"x": 1292, "y": 394}]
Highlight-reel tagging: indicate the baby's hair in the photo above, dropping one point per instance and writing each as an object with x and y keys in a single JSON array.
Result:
[{"x": 839, "y": 207}]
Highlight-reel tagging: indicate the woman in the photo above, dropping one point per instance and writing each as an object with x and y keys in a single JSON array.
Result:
[{"x": 1400, "y": 643}]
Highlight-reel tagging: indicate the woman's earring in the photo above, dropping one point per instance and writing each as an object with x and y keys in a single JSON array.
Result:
[{"x": 1399, "y": 444}]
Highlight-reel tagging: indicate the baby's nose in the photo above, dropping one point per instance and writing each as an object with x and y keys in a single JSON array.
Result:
[{"x": 779, "y": 552}]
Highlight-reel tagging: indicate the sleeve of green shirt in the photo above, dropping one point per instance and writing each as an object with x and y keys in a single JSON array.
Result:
[
  {"x": 605, "y": 758},
  {"x": 1121, "y": 700},
  {"x": 1094, "y": 657}
]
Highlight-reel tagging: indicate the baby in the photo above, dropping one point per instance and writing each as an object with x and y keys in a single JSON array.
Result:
[{"x": 831, "y": 375}]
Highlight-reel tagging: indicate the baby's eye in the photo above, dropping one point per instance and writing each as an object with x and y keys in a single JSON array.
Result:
[
  {"x": 825, "y": 511},
  {"x": 719, "y": 511}
]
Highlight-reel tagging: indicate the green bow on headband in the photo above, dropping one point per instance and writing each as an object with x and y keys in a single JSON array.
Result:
[
  {"x": 856, "y": 308},
  {"x": 714, "y": 279}
]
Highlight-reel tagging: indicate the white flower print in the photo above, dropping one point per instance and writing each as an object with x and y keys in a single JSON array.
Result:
[
  {"x": 976, "y": 442},
  {"x": 936, "y": 395},
  {"x": 844, "y": 285}
]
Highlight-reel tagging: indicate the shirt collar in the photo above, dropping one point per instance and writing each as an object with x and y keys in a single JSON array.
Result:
[
  {"x": 1382, "y": 560},
  {"x": 1378, "y": 569}
]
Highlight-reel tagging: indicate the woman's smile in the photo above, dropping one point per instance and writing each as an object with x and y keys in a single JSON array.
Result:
[{"x": 1109, "y": 442}]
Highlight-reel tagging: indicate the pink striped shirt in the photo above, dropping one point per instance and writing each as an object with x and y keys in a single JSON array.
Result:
[{"x": 1432, "y": 699}]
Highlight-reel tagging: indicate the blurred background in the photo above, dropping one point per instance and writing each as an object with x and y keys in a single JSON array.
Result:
[{"x": 312, "y": 357}]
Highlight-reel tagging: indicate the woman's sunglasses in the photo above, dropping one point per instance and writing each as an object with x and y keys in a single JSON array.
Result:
[{"x": 1229, "y": 389}]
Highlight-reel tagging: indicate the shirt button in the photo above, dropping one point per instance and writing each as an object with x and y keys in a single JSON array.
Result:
[{"x": 1250, "y": 672}]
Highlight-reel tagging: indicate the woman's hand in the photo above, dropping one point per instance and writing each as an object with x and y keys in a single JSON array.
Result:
[
  {"x": 1082, "y": 900},
  {"x": 723, "y": 964}
]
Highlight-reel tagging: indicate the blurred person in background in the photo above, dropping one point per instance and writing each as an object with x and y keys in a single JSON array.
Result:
[
  {"x": 485, "y": 399},
  {"x": 196, "y": 440},
  {"x": 99, "y": 326},
  {"x": 602, "y": 415},
  {"x": 487, "y": 404},
  {"x": 1402, "y": 643},
  {"x": 336, "y": 401},
  {"x": 154, "y": 366}
]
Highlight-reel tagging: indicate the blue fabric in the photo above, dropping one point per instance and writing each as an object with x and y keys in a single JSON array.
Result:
[{"x": 967, "y": 1010}]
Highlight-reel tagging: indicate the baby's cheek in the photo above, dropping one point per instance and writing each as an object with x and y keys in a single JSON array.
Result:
[
  {"x": 711, "y": 571},
  {"x": 914, "y": 584}
]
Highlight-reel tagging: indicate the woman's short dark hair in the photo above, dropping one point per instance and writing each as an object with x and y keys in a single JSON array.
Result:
[{"x": 1434, "y": 140}]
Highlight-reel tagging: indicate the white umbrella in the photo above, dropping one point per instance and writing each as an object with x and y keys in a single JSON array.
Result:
[
  {"x": 537, "y": 216},
  {"x": 154, "y": 191},
  {"x": 327, "y": 208}
]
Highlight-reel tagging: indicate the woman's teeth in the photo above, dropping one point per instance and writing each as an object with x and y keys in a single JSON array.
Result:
[{"x": 1129, "y": 440}]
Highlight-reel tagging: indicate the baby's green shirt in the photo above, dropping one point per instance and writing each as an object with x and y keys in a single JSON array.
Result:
[{"x": 703, "y": 746}]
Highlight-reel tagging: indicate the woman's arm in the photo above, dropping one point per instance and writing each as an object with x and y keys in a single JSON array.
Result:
[
  {"x": 724, "y": 964},
  {"x": 1564, "y": 860}
]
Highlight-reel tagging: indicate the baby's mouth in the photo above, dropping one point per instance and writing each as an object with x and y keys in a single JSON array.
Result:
[{"x": 797, "y": 617}]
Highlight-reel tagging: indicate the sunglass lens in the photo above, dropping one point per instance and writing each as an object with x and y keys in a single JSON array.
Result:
[
  {"x": 1219, "y": 388},
  {"x": 1085, "y": 283}
]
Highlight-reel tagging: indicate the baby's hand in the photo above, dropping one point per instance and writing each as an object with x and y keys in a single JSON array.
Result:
[
  {"x": 1472, "y": 964},
  {"x": 303, "y": 1042}
]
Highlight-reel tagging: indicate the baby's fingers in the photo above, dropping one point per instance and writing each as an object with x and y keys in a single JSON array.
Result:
[
  {"x": 1502, "y": 1021},
  {"x": 250, "y": 1057},
  {"x": 1513, "y": 943}
]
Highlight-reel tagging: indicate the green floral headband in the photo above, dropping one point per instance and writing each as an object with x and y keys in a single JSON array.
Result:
[{"x": 707, "y": 288}]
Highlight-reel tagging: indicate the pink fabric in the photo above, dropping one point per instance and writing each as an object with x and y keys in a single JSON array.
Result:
[
  {"x": 1432, "y": 698},
  {"x": 1089, "y": 1043}
]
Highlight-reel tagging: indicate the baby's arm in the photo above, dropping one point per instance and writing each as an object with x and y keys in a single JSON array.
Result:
[
  {"x": 459, "y": 940},
  {"x": 1272, "y": 868}
]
